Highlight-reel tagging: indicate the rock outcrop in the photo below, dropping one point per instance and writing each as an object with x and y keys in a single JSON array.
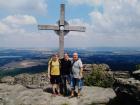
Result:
[
  {"x": 34, "y": 89},
  {"x": 98, "y": 75},
  {"x": 127, "y": 87},
  {"x": 88, "y": 68},
  {"x": 8, "y": 79},
  {"x": 20, "y": 95},
  {"x": 136, "y": 74},
  {"x": 121, "y": 74},
  {"x": 39, "y": 80}
]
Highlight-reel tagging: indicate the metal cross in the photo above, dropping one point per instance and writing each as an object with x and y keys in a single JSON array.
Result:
[{"x": 62, "y": 29}]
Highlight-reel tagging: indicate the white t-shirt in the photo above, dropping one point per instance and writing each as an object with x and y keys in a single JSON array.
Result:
[{"x": 76, "y": 67}]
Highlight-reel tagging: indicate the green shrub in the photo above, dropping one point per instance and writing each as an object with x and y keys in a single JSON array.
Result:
[{"x": 99, "y": 77}]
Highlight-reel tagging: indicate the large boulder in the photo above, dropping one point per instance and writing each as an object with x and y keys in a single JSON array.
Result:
[
  {"x": 38, "y": 80},
  {"x": 24, "y": 79},
  {"x": 128, "y": 90},
  {"x": 136, "y": 74},
  {"x": 8, "y": 79},
  {"x": 19, "y": 95},
  {"x": 104, "y": 67},
  {"x": 121, "y": 74},
  {"x": 32, "y": 80},
  {"x": 88, "y": 68}
]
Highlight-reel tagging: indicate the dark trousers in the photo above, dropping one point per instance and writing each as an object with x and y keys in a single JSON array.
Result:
[{"x": 64, "y": 79}]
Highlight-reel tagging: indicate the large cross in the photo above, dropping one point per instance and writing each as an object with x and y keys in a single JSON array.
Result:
[{"x": 62, "y": 29}]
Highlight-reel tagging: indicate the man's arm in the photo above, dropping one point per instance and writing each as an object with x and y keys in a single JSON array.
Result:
[
  {"x": 81, "y": 71},
  {"x": 81, "y": 68}
]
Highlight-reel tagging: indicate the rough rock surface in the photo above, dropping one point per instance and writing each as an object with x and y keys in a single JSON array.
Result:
[
  {"x": 136, "y": 74},
  {"x": 88, "y": 68},
  {"x": 20, "y": 95},
  {"x": 129, "y": 87},
  {"x": 9, "y": 80},
  {"x": 121, "y": 74},
  {"x": 39, "y": 80}
]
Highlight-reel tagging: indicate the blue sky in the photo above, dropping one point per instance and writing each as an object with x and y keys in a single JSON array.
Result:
[{"x": 109, "y": 23}]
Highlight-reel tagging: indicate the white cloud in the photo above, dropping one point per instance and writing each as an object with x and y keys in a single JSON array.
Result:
[
  {"x": 89, "y": 2},
  {"x": 78, "y": 39},
  {"x": 30, "y": 39},
  {"x": 20, "y": 20},
  {"x": 24, "y": 6},
  {"x": 117, "y": 25},
  {"x": 117, "y": 15},
  {"x": 3, "y": 27},
  {"x": 78, "y": 22},
  {"x": 14, "y": 24},
  {"x": 26, "y": 34}
]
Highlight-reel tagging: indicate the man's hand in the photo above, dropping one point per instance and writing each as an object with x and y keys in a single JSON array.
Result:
[{"x": 80, "y": 75}]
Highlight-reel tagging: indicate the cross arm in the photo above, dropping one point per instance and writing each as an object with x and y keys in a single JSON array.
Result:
[
  {"x": 75, "y": 28},
  {"x": 48, "y": 27}
]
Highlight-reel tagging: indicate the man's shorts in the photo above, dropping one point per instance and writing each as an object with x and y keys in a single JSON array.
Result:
[
  {"x": 55, "y": 79},
  {"x": 76, "y": 82}
]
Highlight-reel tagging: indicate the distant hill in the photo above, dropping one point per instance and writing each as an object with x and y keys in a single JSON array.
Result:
[{"x": 35, "y": 60}]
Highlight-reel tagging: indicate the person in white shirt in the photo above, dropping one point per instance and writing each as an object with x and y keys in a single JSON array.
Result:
[{"x": 76, "y": 75}]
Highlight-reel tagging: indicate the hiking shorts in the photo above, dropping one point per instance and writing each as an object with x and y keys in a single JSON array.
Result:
[
  {"x": 76, "y": 82},
  {"x": 55, "y": 79}
]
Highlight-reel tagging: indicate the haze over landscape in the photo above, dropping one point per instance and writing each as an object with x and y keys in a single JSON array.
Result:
[{"x": 16, "y": 61}]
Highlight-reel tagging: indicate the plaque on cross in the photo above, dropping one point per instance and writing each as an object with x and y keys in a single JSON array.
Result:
[{"x": 62, "y": 29}]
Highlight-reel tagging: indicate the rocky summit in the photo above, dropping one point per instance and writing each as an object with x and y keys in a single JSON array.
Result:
[
  {"x": 127, "y": 87},
  {"x": 34, "y": 89},
  {"x": 20, "y": 95}
]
